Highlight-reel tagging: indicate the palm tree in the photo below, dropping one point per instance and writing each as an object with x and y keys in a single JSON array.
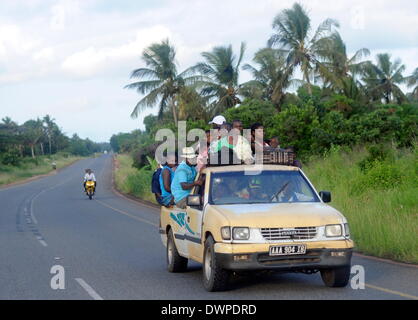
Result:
[
  {"x": 382, "y": 79},
  {"x": 270, "y": 79},
  {"x": 220, "y": 72},
  {"x": 49, "y": 126},
  {"x": 191, "y": 105},
  {"x": 413, "y": 82},
  {"x": 293, "y": 28},
  {"x": 337, "y": 68},
  {"x": 32, "y": 133},
  {"x": 9, "y": 131},
  {"x": 160, "y": 81}
]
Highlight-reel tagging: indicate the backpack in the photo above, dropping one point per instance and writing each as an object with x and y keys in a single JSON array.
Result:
[{"x": 155, "y": 184}]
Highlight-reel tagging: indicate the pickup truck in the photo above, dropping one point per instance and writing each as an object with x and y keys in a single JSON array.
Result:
[{"x": 246, "y": 219}]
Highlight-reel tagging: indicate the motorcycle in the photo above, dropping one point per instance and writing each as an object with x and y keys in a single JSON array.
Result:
[{"x": 90, "y": 188}]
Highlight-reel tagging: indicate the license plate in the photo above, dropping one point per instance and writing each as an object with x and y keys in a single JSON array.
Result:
[{"x": 287, "y": 250}]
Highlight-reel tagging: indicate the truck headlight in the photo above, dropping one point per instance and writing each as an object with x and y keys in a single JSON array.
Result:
[
  {"x": 226, "y": 233},
  {"x": 333, "y": 230},
  {"x": 241, "y": 233}
]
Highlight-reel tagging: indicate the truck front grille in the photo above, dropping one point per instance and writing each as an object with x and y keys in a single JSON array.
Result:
[{"x": 298, "y": 233}]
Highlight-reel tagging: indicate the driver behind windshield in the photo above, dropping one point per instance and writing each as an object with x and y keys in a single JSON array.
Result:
[
  {"x": 257, "y": 190},
  {"x": 292, "y": 193}
]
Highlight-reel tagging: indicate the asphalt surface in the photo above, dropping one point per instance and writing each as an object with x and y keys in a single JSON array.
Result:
[{"x": 110, "y": 248}]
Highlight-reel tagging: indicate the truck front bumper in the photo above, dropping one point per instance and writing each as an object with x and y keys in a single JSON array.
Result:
[{"x": 318, "y": 256}]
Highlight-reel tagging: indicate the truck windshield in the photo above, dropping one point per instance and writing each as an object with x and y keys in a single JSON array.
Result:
[{"x": 267, "y": 187}]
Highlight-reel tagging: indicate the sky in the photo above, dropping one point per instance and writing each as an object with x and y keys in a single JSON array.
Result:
[{"x": 72, "y": 58}]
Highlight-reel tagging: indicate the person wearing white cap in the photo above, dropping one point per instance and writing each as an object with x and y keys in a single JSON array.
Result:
[
  {"x": 184, "y": 176},
  {"x": 217, "y": 122}
]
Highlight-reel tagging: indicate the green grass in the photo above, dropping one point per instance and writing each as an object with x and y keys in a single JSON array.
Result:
[
  {"x": 381, "y": 204},
  {"x": 33, "y": 167},
  {"x": 132, "y": 181}
]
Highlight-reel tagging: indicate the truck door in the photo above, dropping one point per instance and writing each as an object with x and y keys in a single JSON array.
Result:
[{"x": 178, "y": 223}]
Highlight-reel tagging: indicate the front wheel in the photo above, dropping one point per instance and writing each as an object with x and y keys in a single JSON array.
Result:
[
  {"x": 175, "y": 262},
  {"x": 336, "y": 277},
  {"x": 214, "y": 277}
]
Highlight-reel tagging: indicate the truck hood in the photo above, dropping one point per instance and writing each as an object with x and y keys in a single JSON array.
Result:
[{"x": 279, "y": 215}]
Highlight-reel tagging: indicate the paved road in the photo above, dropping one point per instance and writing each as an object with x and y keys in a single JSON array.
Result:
[{"x": 110, "y": 249}]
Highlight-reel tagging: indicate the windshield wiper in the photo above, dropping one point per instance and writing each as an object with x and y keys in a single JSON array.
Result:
[{"x": 276, "y": 195}]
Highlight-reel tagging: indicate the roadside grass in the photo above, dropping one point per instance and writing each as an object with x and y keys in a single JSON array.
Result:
[
  {"x": 33, "y": 167},
  {"x": 381, "y": 204},
  {"x": 132, "y": 181}
]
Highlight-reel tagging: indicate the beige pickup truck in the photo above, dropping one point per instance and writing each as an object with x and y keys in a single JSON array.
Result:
[{"x": 243, "y": 219}]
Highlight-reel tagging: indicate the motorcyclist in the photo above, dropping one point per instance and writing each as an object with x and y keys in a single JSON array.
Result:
[{"x": 89, "y": 176}]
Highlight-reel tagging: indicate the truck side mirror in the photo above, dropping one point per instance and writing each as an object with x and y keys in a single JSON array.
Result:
[
  {"x": 194, "y": 201},
  {"x": 325, "y": 196}
]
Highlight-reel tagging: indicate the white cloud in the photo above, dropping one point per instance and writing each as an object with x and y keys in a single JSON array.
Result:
[
  {"x": 84, "y": 43},
  {"x": 45, "y": 54},
  {"x": 62, "y": 12},
  {"x": 14, "y": 42},
  {"x": 92, "y": 60}
]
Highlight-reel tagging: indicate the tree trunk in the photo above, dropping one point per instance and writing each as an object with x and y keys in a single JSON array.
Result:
[
  {"x": 50, "y": 145},
  {"x": 32, "y": 151},
  {"x": 42, "y": 148},
  {"x": 173, "y": 109},
  {"x": 309, "y": 85}
]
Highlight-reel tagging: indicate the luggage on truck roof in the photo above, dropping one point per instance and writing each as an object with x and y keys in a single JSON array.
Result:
[{"x": 269, "y": 156}]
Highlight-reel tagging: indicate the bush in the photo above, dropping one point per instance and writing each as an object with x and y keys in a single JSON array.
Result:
[
  {"x": 252, "y": 111},
  {"x": 383, "y": 176},
  {"x": 295, "y": 127},
  {"x": 10, "y": 157},
  {"x": 377, "y": 153}
]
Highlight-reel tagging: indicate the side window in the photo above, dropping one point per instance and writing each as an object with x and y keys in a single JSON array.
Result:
[{"x": 200, "y": 190}]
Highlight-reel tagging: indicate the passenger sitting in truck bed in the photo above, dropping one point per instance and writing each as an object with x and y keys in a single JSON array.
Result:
[
  {"x": 296, "y": 163},
  {"x": 231, "y": 138},
  {"x": 166, "y": 176},
  {"x": 202, "y": 158},
  {"x": 256, "y": 139},
  {"x": 184, "y": 176},
  {"x": 274, "y": 143}
]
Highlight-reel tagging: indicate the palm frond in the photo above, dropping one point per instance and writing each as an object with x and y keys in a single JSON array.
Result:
[
  {"x": 149, "y": 100},
  {"x": 144, "y": 73},
  {"x": 143, "y": 87},
  {"x": 325, "y": 28}
]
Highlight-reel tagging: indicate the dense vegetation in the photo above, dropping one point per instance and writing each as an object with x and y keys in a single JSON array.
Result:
[
  {"x": 40, "y": 137},
  {"x": 340, "y": 99},
  {"x": 29, "y": 149},
  {"x": 376, "y": 189}
]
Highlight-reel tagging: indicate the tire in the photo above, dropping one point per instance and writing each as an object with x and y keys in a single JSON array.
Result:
[
  {"x": 214, "y": 277},
  {"x": 175, "y": 262},
  {"x": 337, "y": 277}
]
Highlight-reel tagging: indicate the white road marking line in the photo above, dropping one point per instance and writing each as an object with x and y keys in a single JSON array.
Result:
[
  {"x": 89, "y": 289},
  {"x": 43, "y": 243},
  {"x": 126, "y": 214},
  {"x": 405, "y": 295},
  {"x": 32, "y": 215}
]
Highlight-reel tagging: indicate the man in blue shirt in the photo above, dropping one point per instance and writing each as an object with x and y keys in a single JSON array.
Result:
[
  {"x": 184, "y": 176},
  {"x": 166, "y": 176}
]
